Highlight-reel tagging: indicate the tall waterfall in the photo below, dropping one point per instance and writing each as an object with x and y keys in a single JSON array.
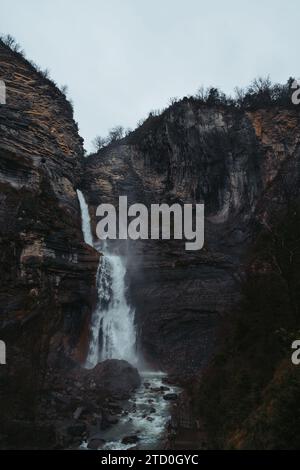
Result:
[{"x": 113, "y": 332}]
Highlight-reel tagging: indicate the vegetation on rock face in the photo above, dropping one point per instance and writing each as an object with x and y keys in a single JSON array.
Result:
[
  {"x": 249, "y": 396},
  {"x": 261, "y": 93},
  {"x": 115, "y": 134},
  {"x": 10, "y": 43}
]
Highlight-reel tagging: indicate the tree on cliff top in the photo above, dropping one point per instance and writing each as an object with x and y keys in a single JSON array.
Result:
[{"x": 99, "y": 142}]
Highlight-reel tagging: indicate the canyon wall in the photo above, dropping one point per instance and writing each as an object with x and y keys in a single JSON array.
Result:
[
  {"x": 47, "y": 289},
  {"x": 243, "y": 164},
  {"x": 240, "y": 164}
]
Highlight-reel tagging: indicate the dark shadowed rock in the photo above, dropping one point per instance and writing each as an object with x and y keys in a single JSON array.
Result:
[
  {"x": 47, "y": 272},
  {"x": 78, "y": 412},
  {"x": 116, "y": 377},
  {"x": 76, "y": 429},
  {"x": 235, "y": 161},
  {"x": 170, "y": 396},
  {"x": 130, "y": 439},
  {"x": 95, "y": 443},
  {"x": 108, "y": 420}
]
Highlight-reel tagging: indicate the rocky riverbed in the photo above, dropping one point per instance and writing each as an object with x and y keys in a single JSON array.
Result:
[{"x": 142, "y": 421}]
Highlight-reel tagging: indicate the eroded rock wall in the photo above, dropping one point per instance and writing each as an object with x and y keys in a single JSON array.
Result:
[
  {"x": 230, "y": 159},
  {"x": 47, "y": 289}
]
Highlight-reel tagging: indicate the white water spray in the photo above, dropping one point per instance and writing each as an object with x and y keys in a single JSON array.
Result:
[
  {"x": 113, "y": 332},
  {"x": 85, "y": 219}
]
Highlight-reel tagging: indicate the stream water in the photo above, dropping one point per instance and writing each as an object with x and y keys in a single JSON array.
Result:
[{"x": 145, "y": 416}]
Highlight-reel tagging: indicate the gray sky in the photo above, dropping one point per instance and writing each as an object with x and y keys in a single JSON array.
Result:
[{"x": 123, "y": 58}]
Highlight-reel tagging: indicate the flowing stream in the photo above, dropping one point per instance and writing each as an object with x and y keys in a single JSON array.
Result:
[{"x": 113, "y": 336}]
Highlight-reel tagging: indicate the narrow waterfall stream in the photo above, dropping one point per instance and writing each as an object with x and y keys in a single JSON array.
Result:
[{"x": 113, "y": 336}]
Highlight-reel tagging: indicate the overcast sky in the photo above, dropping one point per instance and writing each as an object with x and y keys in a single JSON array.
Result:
[{"x": 123, "y": 58}]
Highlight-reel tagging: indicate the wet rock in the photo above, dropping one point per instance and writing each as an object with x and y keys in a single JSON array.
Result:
[
  {"x": 130, "y": 439},
  {"x": 95, "y": 442},
  {"x": 170, "y": 396},
  {"x": 108, "y": 420},
  {"x": 155, "y": 389}
]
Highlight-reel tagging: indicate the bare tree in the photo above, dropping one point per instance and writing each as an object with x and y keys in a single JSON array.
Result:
[
  {"x": 99, "y": 142},
  {"x": 261, "y": 84},
  {"x": 64, "y": 89},
  {"x": 239, "y": 95},
  {"x": 11, "y": 42},
  {"x": 202, "y": 93},
  {"x": 173, "y": 100},
  {"x": 116, "y": 133},
  {"x": 45, "y": 73}
]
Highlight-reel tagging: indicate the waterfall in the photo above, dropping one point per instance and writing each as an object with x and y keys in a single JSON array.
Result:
[
  {"x": 113, "y": 332},
  {"x": 85, "y": 219}
]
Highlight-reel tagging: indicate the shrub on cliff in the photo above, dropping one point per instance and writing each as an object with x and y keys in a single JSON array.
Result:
[
  {"x": 261, "y": 93},
  {"x": 10, "y": 43}
]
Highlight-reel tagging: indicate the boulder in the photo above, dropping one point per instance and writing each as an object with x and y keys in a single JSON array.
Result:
[
  {"x": 116, "y": 377},
  {"x": 95, "y": 442},
  {"x": 170, "y": 396},
  {"x": 130, "y": 439},
  {"x": 108, "y": 420}
]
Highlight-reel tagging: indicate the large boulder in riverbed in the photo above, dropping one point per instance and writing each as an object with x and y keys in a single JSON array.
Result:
[{"x": 117, "y": 377}]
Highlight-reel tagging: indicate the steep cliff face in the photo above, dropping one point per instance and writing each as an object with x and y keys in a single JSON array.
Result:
[
  {"x": 233, "y": 160},
  {"x": 47, "y": 289}
]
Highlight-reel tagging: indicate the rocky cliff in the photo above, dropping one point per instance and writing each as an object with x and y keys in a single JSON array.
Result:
[
  {"x": 240, "y": 163},
  {"x": 238, "y": 297},
  {"x": 47, "y": 289}
]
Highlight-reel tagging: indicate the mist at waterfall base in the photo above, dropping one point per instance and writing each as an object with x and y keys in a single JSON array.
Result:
[{"x": 113, "y": 336}]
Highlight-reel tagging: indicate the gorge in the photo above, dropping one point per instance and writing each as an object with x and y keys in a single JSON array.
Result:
[{"x": 77, "y": 317}]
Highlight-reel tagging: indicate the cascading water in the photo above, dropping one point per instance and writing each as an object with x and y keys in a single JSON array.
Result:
[
  {"x": 113, "y": 328},
  {"x": 85, "y": 219},
  {"x": 113, "y": 334}
]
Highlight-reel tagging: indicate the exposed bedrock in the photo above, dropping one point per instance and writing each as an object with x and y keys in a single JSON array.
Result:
[
  {"x": 47, "y": 289},
  {"x": 234, "y": 161}
]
